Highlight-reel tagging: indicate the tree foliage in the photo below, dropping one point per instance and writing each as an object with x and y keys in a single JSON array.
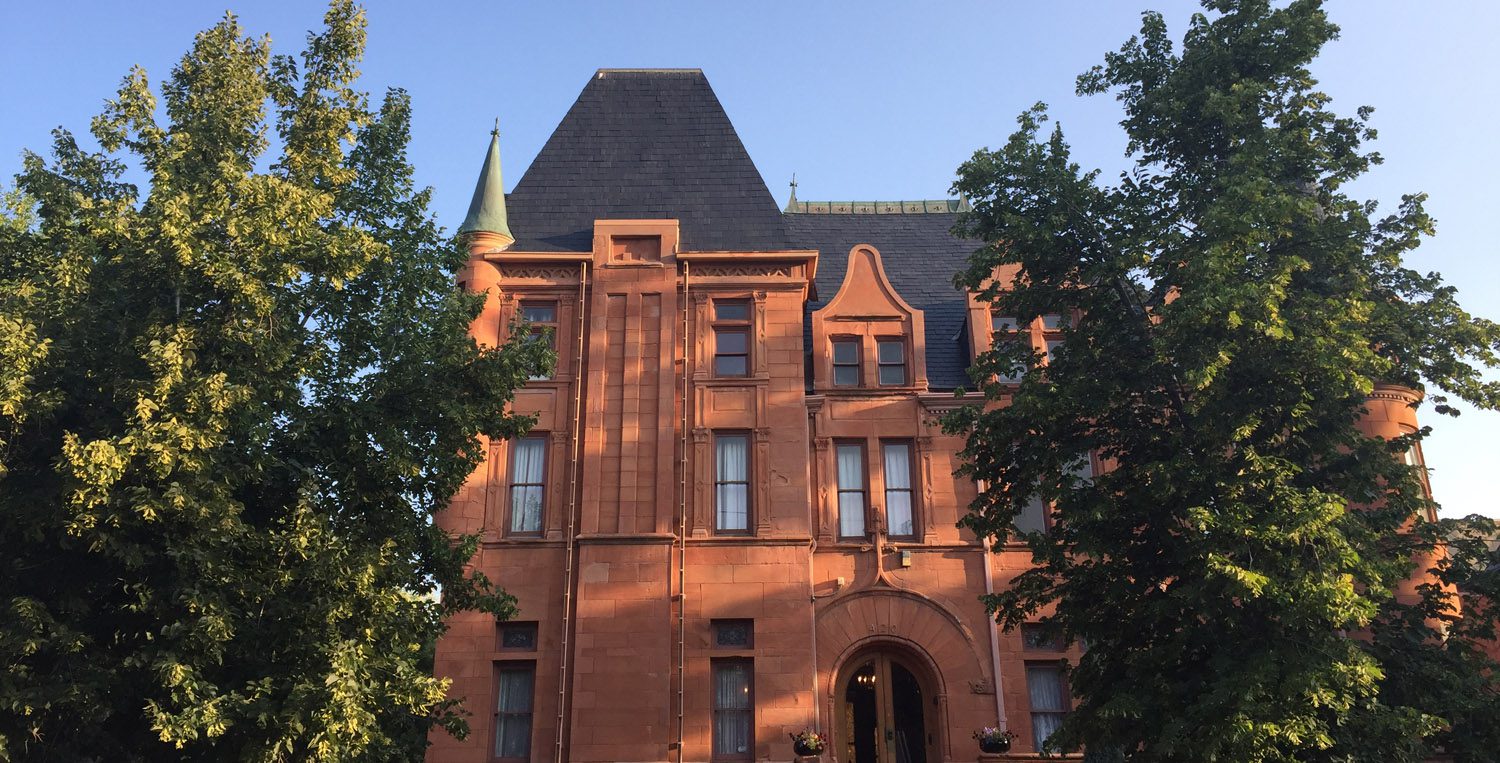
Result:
[
  {"x": 1234, "y": 309},
  {"x": 228, "y": 409}
]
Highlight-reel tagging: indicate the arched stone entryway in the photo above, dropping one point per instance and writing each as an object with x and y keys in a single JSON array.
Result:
[{"x": 895, "y": 636}]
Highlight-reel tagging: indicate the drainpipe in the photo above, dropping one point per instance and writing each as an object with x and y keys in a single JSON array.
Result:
[
  {"x": 989, "y": 589},
  {"x": 562, "y": 673},
  {"x": 682, "y": 489},
  {"x": 812, "y": 622}
]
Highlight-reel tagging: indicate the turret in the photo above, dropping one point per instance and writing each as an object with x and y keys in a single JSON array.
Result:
[{"x": 486, "y": 226}]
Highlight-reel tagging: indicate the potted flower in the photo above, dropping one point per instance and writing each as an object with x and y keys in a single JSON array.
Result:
[
  {"x": 992, "y": 739},
  {"x": 807, "y": 742}
]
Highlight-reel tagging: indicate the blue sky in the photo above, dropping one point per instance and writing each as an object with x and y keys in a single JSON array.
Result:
[{"x": 876, "y": 100}]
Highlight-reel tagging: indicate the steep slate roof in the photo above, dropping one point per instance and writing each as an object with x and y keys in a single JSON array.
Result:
[
  {"x": 920, "y": 256},
  {"x": 642, "y": 144}
]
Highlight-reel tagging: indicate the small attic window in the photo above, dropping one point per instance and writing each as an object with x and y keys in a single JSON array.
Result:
[
  {"x": 891, "y": 359},
  {"x": 846, "y": 362},
  {"x": 630, "y": 250}
]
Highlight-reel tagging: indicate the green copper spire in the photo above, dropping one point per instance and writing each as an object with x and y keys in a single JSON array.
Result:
[{"x": 487, "y": 210}]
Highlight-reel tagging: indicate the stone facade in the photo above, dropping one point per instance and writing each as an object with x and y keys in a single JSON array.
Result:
[{"x": 709, "y": 416}]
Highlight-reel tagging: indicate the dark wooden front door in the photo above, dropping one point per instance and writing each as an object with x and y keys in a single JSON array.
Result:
[{"x": 885, "y": 712}]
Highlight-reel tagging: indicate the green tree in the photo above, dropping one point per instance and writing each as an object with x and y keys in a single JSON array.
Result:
[
  {"x": 228, "y": 411},
  {"x": 1234, "y": 309}
]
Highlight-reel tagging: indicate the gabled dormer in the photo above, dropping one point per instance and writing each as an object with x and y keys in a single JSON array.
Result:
[{"x": 867, "y": 338}]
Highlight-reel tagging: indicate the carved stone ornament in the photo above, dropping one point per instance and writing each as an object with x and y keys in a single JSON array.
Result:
[
  {"x": 540, "y": 272},
  {"x": 743, "y": 271}
]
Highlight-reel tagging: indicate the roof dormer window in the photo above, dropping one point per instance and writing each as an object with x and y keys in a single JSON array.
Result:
[
  {"x": 846, "y": 363},
  {"x": 891, "y": 359}
]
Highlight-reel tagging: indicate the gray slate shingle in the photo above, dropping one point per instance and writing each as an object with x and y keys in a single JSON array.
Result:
[{"x": 640, "y": 145}]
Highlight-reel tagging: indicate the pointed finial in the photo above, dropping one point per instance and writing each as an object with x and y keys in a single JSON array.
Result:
[
  {"x": 496, "y": 132},
  {"x": 791, "y": 202}
]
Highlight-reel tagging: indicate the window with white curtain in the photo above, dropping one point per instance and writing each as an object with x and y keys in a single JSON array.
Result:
[
  {"x": 898, "y": 493},
  {"x": 851, "y": 489},
  {"x": 527, "y": 470},
  {"x": 731, "y": 483},
  {"x": 734, "y": 709},
  {"x": 1049, "y": 699},
  {"x": 513, "y": 689}
]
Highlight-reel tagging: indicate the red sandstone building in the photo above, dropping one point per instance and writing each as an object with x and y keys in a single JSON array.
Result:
[{"x": 735, "y": 517}]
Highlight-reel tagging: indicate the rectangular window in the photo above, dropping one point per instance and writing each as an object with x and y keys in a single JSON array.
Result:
[
  {"x": 898, "y": 494},
  {"x": 731, "y": 337},
  {"x": 1006, "y": 329},
  {"x": 733, "y": 707},
  {"x": 1049, "y": 699},
  {"x": 1052, "y": 322},
  {"x": 851, "y": 489},
  {"x": 1033, "y": 518},
  {"x": 1052, "y": 345},
  {"x": 541, "y": 318},
  {"x": 846, "y": 363},
  {"x": 737, "y": 310},
  {"x": 734, "y": 634},
  {"x": 513, "y": 689},
  {"x": 1040, "y": 637},
  {"x": 731, "y": 483},
  {"x": 517, "y": 636},
  {"x": 1082, "y": 470},
  {"x": 891, "y": 356},
  {"x": 527, "y": 470}
]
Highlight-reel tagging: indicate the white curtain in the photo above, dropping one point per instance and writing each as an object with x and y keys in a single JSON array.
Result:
[
  {"x": 898, "y": 489},
  {"x": 526, "y": 484},
  {"x": 731, "y": 708},
  {"x": 513, "y": 714},
  {"x": 1048, "y": 705},
  {"x": 732, "y": 497},
  {"x": 851, "y": 476}
]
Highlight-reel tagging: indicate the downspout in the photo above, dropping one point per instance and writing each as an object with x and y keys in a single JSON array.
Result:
[
  {"x": 812, "y": 630},
  {"x": 578, "y": 378},
  {"x": 989, "y": 590},
  {"x": 682, "y": 489}
]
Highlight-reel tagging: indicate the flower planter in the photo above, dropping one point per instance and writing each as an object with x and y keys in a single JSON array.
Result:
[
  {"x": 804, "y": 750},
  {"x": 994, "y": 745}
]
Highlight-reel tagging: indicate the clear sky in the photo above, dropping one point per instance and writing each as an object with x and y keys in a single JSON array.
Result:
[{"x": 874, "y": 100}]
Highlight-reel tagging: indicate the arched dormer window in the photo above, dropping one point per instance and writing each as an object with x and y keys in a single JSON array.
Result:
[{"x": 867, "y": 337}]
